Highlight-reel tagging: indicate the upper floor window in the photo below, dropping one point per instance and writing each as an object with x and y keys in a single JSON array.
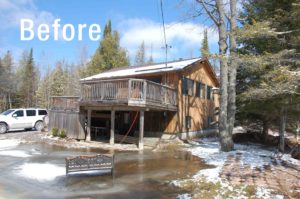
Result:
[
  {"x": 209, "y": 93},
  {"x": 198, "y": 89},
  {"x": 187, "y": 87}
]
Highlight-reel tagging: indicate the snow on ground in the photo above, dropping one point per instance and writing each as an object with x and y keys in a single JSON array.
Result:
[
  {"x": 253, "y": 155},
  {"x": 41, "y": 172},
  {"x": 6, "y": 144}
]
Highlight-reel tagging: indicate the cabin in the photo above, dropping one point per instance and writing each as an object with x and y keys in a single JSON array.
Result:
[{"x": 174, "y": 99}]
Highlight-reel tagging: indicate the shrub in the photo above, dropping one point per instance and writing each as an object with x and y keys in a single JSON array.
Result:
[
  {"x": 55, "y": 132},
  {"x": 63, "y": 133}
]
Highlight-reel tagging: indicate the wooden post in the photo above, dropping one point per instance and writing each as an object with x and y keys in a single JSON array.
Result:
[
  {"x": 145, "y": 91},
  {"x": 88, "y": 136},
  {"x": 112, "y": 127},
  {"x": 141, "y": 134}
]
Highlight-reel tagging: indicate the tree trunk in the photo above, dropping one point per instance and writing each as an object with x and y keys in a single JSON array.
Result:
[
  {"x": 232, "y": 68},
  {"x": 9, "y": 101},
  {"x": 265, "y": 130},
  {"x": 282, "y": 129},
  {"x": 226, "y": 141}
]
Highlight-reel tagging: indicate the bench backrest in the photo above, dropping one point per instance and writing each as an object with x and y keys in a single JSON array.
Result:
[{"x": 89, "y": 162}]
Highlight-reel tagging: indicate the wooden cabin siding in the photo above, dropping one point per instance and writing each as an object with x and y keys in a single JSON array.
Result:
[{"x": 199, "y": 109}]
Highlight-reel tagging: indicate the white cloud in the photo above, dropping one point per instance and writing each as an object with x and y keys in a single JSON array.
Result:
[
  {"x": 183, "y": 37},
  {"x": 12, "y": 11}
]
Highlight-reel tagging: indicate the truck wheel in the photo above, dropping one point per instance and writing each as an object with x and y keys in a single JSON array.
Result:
[
  {"x": 39, "y": 125},
  {"x": 3, "y": 128}
]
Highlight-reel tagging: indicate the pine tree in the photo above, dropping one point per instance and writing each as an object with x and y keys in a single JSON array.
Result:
[
  {"x": 204, "y": 47},
  {"x": 269, "y": 64},
  {"x": 8, "y": 87},
  {"x": 150, "y": 60},
  {"x": 2, "y": 82},
  {"x": 28, "y": 76},
  {"x": 108, "y": 55},
  {"x": 58, "y": 80},
  {"x": 140, "y": 55}
]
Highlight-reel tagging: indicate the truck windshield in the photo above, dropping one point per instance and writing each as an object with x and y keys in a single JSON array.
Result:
[{"x": 7, "y": 112}]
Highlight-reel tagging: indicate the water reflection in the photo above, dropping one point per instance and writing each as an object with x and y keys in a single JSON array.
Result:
[{"x": 137, "y": 174}]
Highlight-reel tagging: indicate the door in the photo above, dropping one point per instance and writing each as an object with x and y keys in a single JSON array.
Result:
[
  {"x": 31, "y": 118},
  {"x": 18, "y": 120}
]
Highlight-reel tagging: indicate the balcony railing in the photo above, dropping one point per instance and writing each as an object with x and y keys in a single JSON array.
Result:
[{"x": 133, "y": 92}]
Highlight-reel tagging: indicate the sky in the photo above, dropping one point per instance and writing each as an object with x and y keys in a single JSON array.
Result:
[{"x": 135, "y": 20}]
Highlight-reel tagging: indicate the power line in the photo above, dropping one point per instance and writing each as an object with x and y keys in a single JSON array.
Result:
[{"x": 164, "y": 30}]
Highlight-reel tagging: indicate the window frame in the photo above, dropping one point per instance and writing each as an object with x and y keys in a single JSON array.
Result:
[
  {"x": 188, "y": 122},
  {"x": 19, "y": 111},
  {"x": 41, "y": 111},
  {"x": 28, "y": 110},
  {"x": 209, "y": 95},
  {"x": 186, "y": 82}
]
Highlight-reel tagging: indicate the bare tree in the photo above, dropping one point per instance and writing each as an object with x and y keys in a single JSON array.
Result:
[{"x": 215, "y": 9}]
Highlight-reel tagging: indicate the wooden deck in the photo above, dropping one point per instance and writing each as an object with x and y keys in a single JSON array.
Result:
[{"x": 128, "y": 92}]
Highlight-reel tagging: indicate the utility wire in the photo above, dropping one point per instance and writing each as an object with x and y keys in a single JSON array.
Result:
[{"x": 164, "y": 30}]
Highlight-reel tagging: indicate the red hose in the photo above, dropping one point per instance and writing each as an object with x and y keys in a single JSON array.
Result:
[{"x": 135, "y": 117}]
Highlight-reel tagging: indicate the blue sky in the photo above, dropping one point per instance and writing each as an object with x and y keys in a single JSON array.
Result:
[{"x": 135, "y": 20}]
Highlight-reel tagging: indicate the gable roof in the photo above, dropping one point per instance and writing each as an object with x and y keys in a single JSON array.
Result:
[
  {"x": 140, "y": 70},
  {"x": 150, "y": 69}
]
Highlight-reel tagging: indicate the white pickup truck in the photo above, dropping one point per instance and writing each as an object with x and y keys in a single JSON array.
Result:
[{"x": 20, "y": 119}]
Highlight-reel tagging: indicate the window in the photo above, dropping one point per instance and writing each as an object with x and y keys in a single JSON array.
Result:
[
  {"x": 198, "y": 89},
  {"x": 42, "y": 112},
  {"x": 203, "y": 89},
  {"x": 30, "y": 113},
  {"x": 7, "y": 112},
  {"x": 188, "y": 122},
  {"x": 19, "y": 113},
  {"x": 209, "y": 121},
  {"x": 209, "y": 92},
  {"x": 187, "y": 87}
]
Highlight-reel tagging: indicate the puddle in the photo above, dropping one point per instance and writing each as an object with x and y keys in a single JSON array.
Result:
[{"x": 137, "y": 174}]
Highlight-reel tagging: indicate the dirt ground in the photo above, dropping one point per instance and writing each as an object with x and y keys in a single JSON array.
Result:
[{"x": 279, "y": 176}]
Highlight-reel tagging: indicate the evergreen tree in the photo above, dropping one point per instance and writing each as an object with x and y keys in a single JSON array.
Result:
[
  {"x": 140, "y": 55},
  {"x": 43, "y": 91},
  {"x": 150, "y": 60},
  {"x": 8, "y": 86},
  {"x": 28, "y": 76},
  {"x": 58, "y": 80},
  {"x": 204, "y": 47},
  {"x": 108, "y": 55},
  {"x": 269, "y": 66},
  {"x": 2, "y": 82}
]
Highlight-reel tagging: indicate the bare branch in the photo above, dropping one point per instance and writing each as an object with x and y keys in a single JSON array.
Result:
[{"x": 210, "y": 13}]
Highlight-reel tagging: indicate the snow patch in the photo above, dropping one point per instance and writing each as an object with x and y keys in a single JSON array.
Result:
[
  {"x": 6, "y": 144},
  {"x": 171, "y": 66},
  {"x": 41, "y": 172},
  {"x": 288, "y": 158},
  {"x": 184, "y": 196},
  {"x": 15, "y": 153},
  {"x": 253, "y": 155}
]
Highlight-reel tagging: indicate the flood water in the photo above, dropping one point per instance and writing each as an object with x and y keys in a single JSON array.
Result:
[{"x": 38, "y": 171}]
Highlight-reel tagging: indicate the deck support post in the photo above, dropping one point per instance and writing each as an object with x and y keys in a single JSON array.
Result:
[
  {"x": 112, "y": 127},
  {"x": 88, "y": 136},
  {"x": 141, "y": 134}
]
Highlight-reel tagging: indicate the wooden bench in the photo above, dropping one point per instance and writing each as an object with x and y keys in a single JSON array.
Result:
[{"x": 90, "y": 163}]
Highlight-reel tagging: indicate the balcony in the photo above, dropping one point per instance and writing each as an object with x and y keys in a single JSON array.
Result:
[{"x": 128, "y": 92}]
